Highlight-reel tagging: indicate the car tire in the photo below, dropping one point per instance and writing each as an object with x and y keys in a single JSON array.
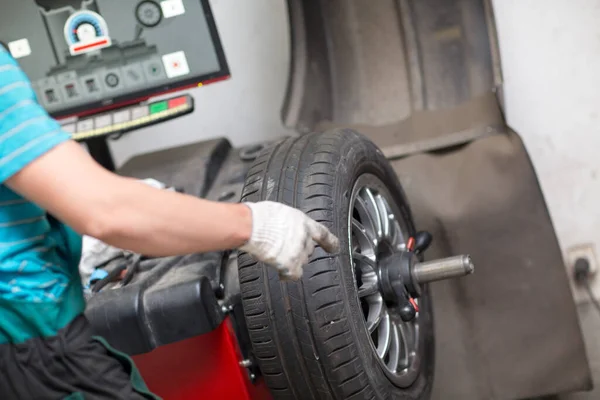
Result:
[{"x": 310, "y": 337}]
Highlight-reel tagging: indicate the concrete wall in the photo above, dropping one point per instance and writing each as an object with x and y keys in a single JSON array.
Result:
[{"x": 550, "y": 53}]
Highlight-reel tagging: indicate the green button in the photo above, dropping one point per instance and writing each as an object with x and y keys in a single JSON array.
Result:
[{"x": 159, "y": 107}]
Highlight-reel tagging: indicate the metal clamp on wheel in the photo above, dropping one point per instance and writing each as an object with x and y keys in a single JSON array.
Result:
[{"x": 402, "y": 274}]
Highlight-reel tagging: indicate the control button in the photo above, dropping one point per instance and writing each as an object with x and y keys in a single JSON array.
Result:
[
  {"x": 178, "y": 101},
  {"x": 50, "y": 96},
  {"x": 19, "y": 48},
  {"x": 121, "y": 116},
  {"x": 69, "y": 128},
  {"x": 158, "y": 107},
  {"x": 91, "y": 85},
  {"x": 112, "y": 80},
  {"x": 85, "y": 125},
  {"x": 133, "y": 74},
  {"x": 176, "y": 64},
  {"x": 71, "y": 90},
  {"x": 172, "y": 8},
  {"x": 139, "y": 112},
  {"x": 103, "y": 121},
  {"x": 154, "y": 70}
]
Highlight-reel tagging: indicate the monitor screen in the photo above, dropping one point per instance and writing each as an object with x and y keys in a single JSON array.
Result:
[{"x": 87, "y": 55}]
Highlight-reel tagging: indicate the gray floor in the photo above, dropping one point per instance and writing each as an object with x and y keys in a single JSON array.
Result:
[{"x": 590, "y": 324}]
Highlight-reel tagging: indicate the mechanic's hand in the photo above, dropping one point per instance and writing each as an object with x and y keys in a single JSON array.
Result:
[{"x": 285, "y": 237}]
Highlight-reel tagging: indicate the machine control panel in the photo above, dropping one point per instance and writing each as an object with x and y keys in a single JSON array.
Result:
[{"x": 82, "y": 55}]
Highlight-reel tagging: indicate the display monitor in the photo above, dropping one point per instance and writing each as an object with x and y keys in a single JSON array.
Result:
[{"x": 84, "y": 56}]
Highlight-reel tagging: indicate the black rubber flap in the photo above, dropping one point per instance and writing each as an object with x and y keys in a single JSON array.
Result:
[
  {"x": 167, "y": 302},
  {"x": 509, "y": 331}
]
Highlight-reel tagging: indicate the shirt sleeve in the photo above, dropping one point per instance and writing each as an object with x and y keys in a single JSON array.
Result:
[{"x": 26, "y": 129}]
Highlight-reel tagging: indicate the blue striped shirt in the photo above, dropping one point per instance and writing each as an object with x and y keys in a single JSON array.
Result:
[{"x": 38, "y": 290}]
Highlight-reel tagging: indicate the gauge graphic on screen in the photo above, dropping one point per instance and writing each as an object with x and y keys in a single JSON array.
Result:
[
  {"x": 148, "y": 13},
  {"x": 86, "y": 31}
]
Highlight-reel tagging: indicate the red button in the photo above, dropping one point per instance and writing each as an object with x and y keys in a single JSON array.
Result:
[{"x": 176, "y": 102}]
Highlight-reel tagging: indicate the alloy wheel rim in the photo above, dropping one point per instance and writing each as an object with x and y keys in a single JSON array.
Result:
[{"x": 377, "y": 230}]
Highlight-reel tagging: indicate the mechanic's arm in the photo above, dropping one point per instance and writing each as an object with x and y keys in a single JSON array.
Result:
[
  {"x": 126, "y": 213},
  {"x": 129, "y": 214}
]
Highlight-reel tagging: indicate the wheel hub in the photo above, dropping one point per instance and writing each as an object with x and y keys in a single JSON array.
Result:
[
  {"x": 394, "y": 275},
  {"x": 402, "y": 274}
]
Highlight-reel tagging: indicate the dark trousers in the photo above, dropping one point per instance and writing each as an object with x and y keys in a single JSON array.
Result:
[{"x": 71, "y": 365}]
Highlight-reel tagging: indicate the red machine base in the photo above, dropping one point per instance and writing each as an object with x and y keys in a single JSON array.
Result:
[{"x": 204, "y": 367}]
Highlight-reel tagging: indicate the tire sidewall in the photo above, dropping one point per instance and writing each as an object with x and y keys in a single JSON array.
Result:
[{"x": 360, "y": 156}]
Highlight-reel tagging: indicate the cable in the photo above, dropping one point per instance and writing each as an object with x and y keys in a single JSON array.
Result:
[
  {"x": 132, "y": 269},
  {"x": 582, "y": 274},
  {"x": 112, "y": 275},
  {"x": 590, "y": 293}
]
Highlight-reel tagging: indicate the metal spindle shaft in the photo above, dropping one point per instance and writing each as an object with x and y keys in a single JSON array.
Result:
[{"x": 445, "y": 268}]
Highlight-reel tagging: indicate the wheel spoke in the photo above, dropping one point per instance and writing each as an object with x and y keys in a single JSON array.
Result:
[
  {"x": 375, "y": 212},
  {"x": 376, "y": 312},
  {"x": 398, "y": 239},
  {"x": 365, "y": 241},
  {"x": 385, "y": 212},
  {"x": 409, "y": 332},
  {"x": 365, "y": 263},
  {"x": 404, "y": 334},
  {"x": 384, "y": 338},
  {"x": 370, "y": 285},
  {"x": 367, "y": 213},
  {"x": 392, "y": 363}
]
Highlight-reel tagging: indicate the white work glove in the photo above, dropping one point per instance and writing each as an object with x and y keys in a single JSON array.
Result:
[{"x": 285, "y": 237}]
